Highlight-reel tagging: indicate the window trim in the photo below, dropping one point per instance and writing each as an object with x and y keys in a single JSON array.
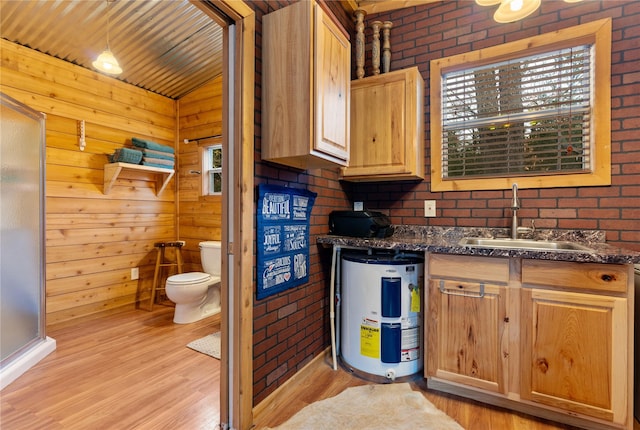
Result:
[
  {"x": 597, "y": 33},
  {"x": 203, "y": 148},
  {"x": 207, "y": 170}
]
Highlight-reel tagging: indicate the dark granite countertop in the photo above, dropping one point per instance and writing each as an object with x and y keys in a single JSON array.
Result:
[{"x": 445, "y": 240}]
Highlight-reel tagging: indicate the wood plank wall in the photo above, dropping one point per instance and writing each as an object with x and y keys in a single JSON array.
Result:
[
  {"x": 199, "y": 217},
  {"x": 92, "y": 239}
]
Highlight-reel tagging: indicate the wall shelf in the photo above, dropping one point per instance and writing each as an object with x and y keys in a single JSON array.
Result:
[{"x": 113, "y": 170}]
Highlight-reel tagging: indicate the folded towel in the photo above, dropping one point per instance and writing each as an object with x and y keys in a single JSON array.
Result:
[
  {"x": 158, "y": 154},
  {"x": 162, "y": 166},
  {"x": 126, "y": 155},
  {"x": 148, "y": 144},
  {"x": 162, "y": 161}
]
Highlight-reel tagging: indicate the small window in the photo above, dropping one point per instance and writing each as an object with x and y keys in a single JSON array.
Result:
[
  {"x": 212, "y": 170},
  {"x": 535, "y": 112}
]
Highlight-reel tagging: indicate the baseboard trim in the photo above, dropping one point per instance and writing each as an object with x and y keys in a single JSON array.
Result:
[
  {"x": 523, "y": 406},
  {"x": 26, "y": 361},
  {"x": 272, "y": 400}
]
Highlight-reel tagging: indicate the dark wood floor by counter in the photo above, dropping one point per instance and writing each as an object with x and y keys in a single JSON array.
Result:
[{"x": 132, "y": 370}]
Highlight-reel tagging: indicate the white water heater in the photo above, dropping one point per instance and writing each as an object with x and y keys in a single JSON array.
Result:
[{"x": 381, "y": 318}]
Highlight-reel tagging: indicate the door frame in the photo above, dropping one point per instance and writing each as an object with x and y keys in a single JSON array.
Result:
[{"x": 236, "y": 372}]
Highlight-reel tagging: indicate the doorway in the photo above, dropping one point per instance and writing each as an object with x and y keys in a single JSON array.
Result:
[{"x": 236, "y": 381}]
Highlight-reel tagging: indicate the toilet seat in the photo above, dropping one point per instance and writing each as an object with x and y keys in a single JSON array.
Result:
[
  {"x": 189, "y": 278},
  {"x": 184, "y": 280}
]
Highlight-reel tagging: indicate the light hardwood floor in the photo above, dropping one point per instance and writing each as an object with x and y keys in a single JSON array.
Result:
[
  {"x": 129, "y": 370},
  {"x": 320, "y": 381},
  {"x": 132, "y": 370}
]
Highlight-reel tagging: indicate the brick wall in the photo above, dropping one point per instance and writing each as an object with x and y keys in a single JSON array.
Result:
[
  {"x": 423, "y": 33},
  {"x": 292, "y": 327}
]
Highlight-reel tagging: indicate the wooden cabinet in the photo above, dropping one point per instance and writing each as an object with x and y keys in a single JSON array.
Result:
[
  {"x": 467, "y": 338},
  {"x": 548, "y": 338},
  {"x": 575, "y": 338},
  {"x": 467, "y": 322},
  {"x": 387, "y": 127},
  {"x": 305, "y": 88}
]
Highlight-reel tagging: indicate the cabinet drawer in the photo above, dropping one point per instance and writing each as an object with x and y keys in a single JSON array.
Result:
[
  {"x": 473, "y": 268},
  {"x": 585, "y": 276}
]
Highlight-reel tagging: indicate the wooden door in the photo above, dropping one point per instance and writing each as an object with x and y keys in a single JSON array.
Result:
[
  {"x": 574, "y": 349},
  {"x": 467, "y": 334},
  {"x": 332, "y": 88}
]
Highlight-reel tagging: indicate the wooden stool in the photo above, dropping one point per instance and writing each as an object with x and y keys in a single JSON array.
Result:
[{"x": 160, "y": 263}]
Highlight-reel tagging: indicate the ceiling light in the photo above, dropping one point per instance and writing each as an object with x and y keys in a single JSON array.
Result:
[
  {"x": 106, "y": 62},
  {"x": 513, "y": 10}
]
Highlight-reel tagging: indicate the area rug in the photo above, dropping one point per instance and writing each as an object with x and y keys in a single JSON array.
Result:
[
  {"x": 209, "y": 345},
  {"x": 372, "y": 407}
]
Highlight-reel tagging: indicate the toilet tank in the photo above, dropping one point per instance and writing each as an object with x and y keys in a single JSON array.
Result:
[{"x": 211, "y": 256}]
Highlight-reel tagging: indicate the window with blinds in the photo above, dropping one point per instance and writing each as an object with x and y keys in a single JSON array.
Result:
[
  {"x": 536, "y": 109},
  {"x": 517, "y": 117}
]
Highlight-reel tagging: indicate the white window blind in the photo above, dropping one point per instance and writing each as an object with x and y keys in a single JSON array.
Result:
[{"x": 522, "y": 116}]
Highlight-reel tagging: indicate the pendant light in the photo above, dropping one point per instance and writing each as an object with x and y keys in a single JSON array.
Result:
[
  {"x": 106, "y": 62},
  {"x": 513, "y": 10},
  {"x": 487, "y": 2}
]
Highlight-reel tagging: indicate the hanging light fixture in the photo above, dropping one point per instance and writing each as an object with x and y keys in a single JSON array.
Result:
[
  {"x": 106, "y": 62},
  {"x": 513, "y": 10},
  {"x": 487, "y": 2}
]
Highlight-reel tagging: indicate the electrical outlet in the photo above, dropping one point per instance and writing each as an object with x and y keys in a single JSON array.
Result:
[
  {"x": 429, "y": 208},
  {"x": 358, "y": 206},
  {"x": 135, "y": 273}
]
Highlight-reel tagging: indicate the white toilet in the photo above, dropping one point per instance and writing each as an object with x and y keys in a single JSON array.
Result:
[{"x": 197, "y": 294}]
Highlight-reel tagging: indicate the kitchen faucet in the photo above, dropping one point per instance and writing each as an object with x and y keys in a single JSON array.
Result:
[{"x": 515, "y": 206}]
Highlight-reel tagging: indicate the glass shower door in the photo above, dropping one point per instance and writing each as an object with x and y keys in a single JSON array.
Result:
[{"x": 22, "y": 311}]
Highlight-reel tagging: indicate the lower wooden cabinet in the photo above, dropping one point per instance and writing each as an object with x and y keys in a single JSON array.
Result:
[
  {"x": 574, "y": 351},
  {"x": 548, "y": 338},
  {"x": 575, "y": 337},
  {"x": 467, "y": 341}
]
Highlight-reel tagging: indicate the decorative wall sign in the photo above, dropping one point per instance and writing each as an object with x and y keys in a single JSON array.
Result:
[{"x": 282, "y": 238}]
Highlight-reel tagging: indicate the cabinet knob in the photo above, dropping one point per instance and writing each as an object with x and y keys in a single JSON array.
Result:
[{"x": 607, "y": 278}]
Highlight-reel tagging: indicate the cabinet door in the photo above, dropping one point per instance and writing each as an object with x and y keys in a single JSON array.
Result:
[
  {"x": 467, "y": 334},
  {"x": 305, "y": 88},
  {"x": 332, "y": 88},
  {"x": 387, "y": 136},
  {"x": 574, "y": 349}
]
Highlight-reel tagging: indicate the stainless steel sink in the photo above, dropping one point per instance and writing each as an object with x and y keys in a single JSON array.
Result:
[{"x": 527, "y": 244}]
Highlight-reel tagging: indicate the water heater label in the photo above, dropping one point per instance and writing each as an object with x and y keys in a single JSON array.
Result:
[
  {"x": 410, "y": 344},
  {"x": 370, "y": 341},
  {"x": 415, "y": 299}
]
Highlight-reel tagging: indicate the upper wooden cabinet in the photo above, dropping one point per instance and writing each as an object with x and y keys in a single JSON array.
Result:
[
  {"x": 387, "y": 127},
  {"x": 305, "y": 87}
]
